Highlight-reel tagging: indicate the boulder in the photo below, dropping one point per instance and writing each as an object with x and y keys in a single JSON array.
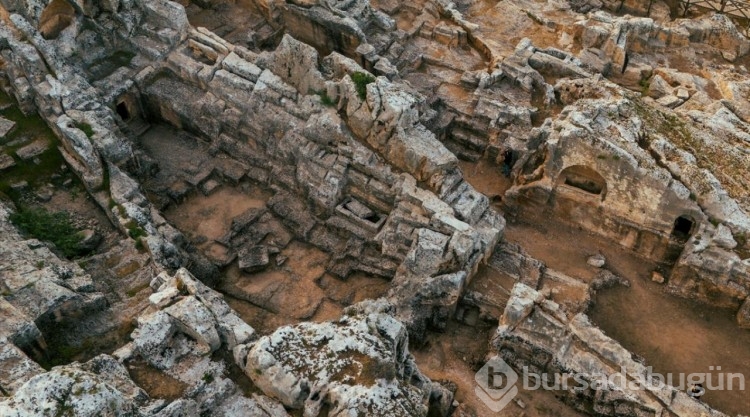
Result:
[
  {"x": 361, "y": 360},
  {"x": 6, "y": 162},
  {"x": 99, "y": 387},
  {"x": 6, "y": 126},
  {"x": 597, "y": 261},
  {"x": 253, "y": 259}
]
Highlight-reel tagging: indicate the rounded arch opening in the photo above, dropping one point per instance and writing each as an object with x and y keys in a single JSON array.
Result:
[
  {"x": 57, "y": 16},
  {"x": 584, "y": 178}
]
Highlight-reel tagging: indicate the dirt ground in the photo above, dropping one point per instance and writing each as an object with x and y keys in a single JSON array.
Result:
[
  {"x": 206, "y": 218},
  {"x": 155, "y": 382},
  {"x": 672, "y": 334},
  {"x": 448, "y": 356},
  {"x": 676, "y": 335},
  {"x": 297, "y": 290},
  {"x": 485, "y": 177}
]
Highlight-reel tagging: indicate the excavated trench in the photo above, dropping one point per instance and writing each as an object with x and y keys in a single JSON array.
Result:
[
  {"x": 38, "y": 179},
  {"x": 206, "y": 202},
  {"x": 271, "y": 278},
  {"x": 671, "y": 334}
]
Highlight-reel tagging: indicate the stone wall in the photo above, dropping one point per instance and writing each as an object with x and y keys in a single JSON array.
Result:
[
  {"x": 535, "y": 333},
  {"x": 287, "y": 140}
]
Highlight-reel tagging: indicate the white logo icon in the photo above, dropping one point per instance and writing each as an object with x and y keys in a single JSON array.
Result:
[{"x": 496, "y": 384}]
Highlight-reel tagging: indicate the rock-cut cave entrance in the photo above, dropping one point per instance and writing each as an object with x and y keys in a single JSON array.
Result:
[
  {"x": 123, "y": 111},
  {"x": 683, "y": 227},
  {"x": 585, "y": 179}
]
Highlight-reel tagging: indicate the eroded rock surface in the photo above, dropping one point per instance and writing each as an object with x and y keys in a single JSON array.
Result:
[
  {"x": 346, "y": 137},
  {"x": 358, "y": 364}
]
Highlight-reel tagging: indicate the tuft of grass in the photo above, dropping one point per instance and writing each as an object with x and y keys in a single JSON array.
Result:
[
  {"x": 140, "y": 246},
  {"x": 28, "y": 128},
  {"x": 208, "y": 377},
  {"x": 741, "y": 239},
  {"x": 134, "y": 230},
  {"x": 645, "y": 84},
  {"x": 86, "y": 128},
  {"x": 327, "y": 101},
  {"x": 51, "y": 227},
  {"x": 361, "y": 79}
]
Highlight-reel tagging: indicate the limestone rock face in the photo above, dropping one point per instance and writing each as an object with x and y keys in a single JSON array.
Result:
[
  {"x": 185, "y": 324},
  {"x": 15, "y": 367},
  {"x": 360, "y": 362},
  {"x": 535, "y": 332},
  {"x": 186, "y": 307},
  {"x": 39, "y": 289},
  {"x": 100, "y": 387},
  {"x": 360, "y": 122}
]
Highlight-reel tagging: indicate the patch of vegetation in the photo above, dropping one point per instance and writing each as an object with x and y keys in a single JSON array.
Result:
[
  {"x": 28, "y": 128},
  {"x": 327, "y": 101},
  {"x": 741, "y": 239},
  {"x": 85, "y": 128},
  {"x": 51, "y": 227},
  {"x": 714, "y": 221},
  {"x": 140, "y": 246},
  {"x": 208, "y": 377},
  {"x": 134, "y": 230},
  {"x": 645, "y": 85},
  {"x": 361, "y": 80}
]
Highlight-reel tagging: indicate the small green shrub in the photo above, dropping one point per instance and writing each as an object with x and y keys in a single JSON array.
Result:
[
  {"x": 645, "y": 84},
  {"x": 741, "y": 239},
  {"x": 208, "y": 377},
  {"x": 51, "y": 227},
  {"x": 327, "y": 101},
  {"x": 140, "y": 246},
  {"x": 86, "y": 128},
  {"x": 134, "y": 230},
  {"x": 361, "y": 80}
]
